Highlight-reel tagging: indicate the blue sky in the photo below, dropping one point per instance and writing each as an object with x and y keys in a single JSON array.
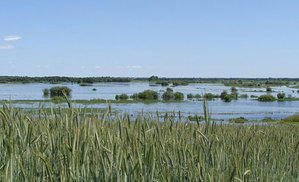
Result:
[{"x": 172, "y": 38}]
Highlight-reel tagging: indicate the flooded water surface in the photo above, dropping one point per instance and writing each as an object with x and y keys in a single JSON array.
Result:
[{"x": 249, "y": 107}]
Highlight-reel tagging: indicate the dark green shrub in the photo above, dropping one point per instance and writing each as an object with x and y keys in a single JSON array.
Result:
[
  {"x": 148, "y": 95},
  {"x": 163, "y": 83},
  {"x": 197, "y": 96},
  {"x": 60, "y": 91},
  {"x": 178, "y": 96},
  {"x": 244, "y": 96},
  {"x": 123, "y": 97},
  {"x": 153, "y": 78},
  {"x": 269, "y": 89},
  {"x": 227, "y": 98},
  {"x": 169, "y": 90},
  {"x": 281, "y": 95},
  {"x": 46, "y": 92},
  {"x": 134, "y": 96},
  {"x": 234, "y": 92},
  {"x": 234, "y": 95},
  {"x": 84, "y": 84},
  {"x": 210, "y": 96},
  {"x": 266, "y": 98},
  {"x": 233, "y": 89},
  {"x": 190, "y": 96},
  {"x": 168, "y": 95},
  {"x": 223, "y": 94}
]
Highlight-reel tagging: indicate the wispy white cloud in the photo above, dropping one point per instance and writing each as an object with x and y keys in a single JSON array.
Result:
[
  {"x": 134, "y": 67},
  {"x": 7, "y": 47},
  {"x": 98, "y": 67},
  {"x": 12, "y": 38}
]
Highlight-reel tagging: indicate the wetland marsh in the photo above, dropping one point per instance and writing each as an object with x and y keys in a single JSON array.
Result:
[{"x": 30, "y": 96}]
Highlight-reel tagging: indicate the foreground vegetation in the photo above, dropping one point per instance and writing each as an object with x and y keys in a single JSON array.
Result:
[{"x": 69, "y": 145}]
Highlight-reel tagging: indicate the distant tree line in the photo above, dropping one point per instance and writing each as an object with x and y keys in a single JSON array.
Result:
[
  {"x": 216, "y": 80},
  {"x": 250, "y": 82},
  {"x": 58, "y": 79}
]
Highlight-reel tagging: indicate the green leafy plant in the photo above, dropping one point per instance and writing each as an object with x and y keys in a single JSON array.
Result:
[{"x": 266, "y": 98}]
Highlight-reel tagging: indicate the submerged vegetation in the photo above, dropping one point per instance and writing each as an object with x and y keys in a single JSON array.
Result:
[{"x": 70, "y": 145}]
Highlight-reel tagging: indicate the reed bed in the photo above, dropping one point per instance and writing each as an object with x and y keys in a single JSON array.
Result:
[{"x": 67, "y": 145}]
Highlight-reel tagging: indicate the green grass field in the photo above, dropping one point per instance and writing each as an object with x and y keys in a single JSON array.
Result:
[{"x": 67, "y": 145}]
